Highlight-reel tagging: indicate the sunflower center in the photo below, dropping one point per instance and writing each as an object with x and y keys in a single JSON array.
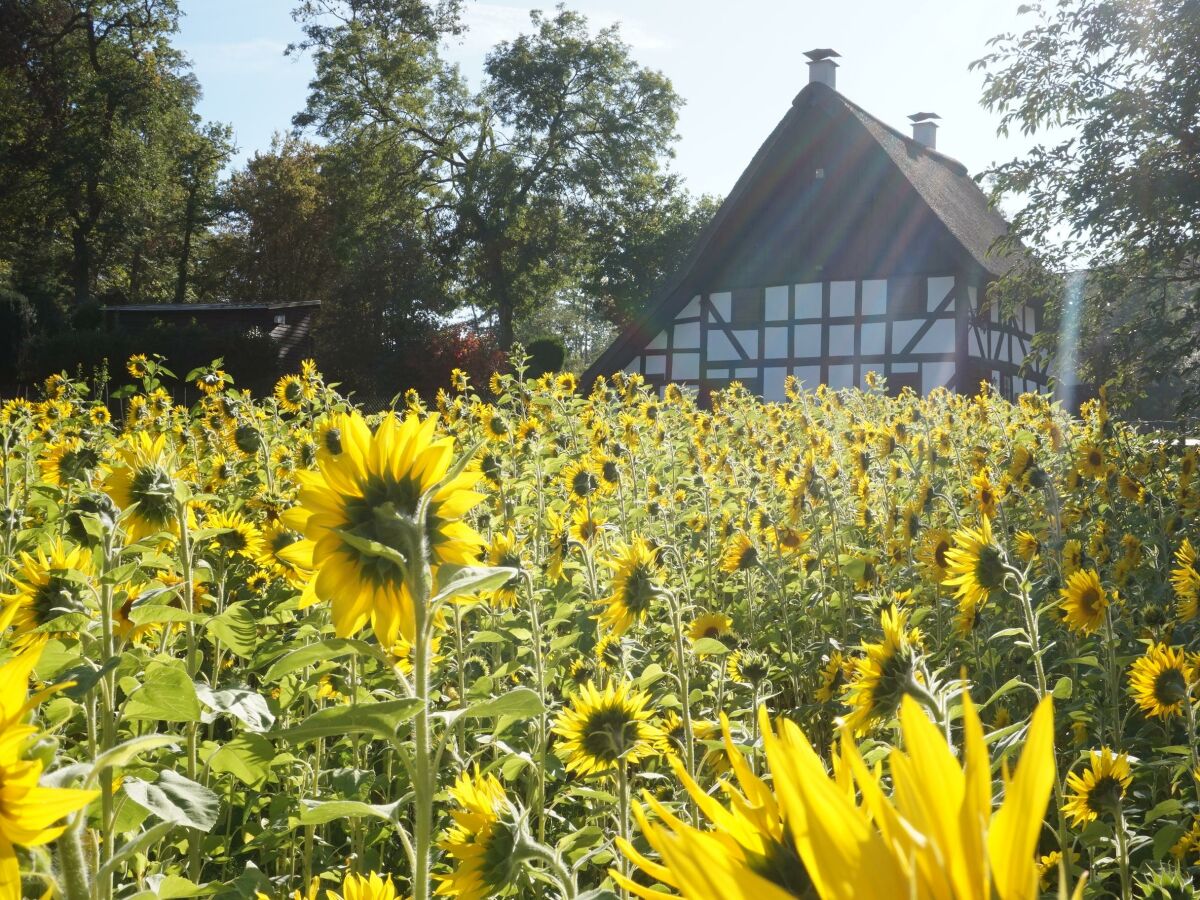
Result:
[
  {"x": 1170, "y": 687},
  {"x": 332, "y": 439},
  {"x": 1089, "y": 600},
  {"x": 939, "y": 553},
  {"x": 1105, "y": 795},
  {"x": 609, "y": 734},
  {"x": 583, "y": 483},
  {"x": 232, "y": 541},
  {"x": 380, "y": 515}
]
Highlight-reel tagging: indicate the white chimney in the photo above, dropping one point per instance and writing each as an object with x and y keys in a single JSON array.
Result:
[
  {"x": 821, "y": 66},
  {"x": 925, "y": 128}
]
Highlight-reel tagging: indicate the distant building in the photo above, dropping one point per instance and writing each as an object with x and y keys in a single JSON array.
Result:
[
  {"x": 288, "y": 324},
  {"x": 845, "y": 247}
]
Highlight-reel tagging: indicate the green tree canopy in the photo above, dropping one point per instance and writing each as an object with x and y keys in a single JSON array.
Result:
[{"x": 1112, "y": 91}]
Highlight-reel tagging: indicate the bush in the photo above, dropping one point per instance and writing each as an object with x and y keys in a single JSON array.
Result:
[{"x": 546, "y": 354}]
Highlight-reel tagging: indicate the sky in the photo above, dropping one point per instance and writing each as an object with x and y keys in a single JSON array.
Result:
[{"x": 736, "y": 63}]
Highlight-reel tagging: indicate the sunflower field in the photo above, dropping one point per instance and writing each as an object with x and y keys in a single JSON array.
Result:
[{"x": 536, "y": 642}]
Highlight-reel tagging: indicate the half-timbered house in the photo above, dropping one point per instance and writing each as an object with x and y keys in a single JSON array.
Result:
[{"x": 845, "y": 247}]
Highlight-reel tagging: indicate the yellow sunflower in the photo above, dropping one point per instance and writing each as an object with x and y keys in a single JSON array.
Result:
[
  {"x": 68, "y": 460},
  {"x": 1161, "y": 681},
  {"x": 711, "y": 625},
  {"x": 582, "y": 479},
  {"x": 1101, "y": 787},
  {"x": 366, "y": 497},
  {"x": 235, "y": 535},
  {"x": 609, "y": 652},
  {"x": 806, "y": 835},
  {"x": 740, "y": 554},
  {"x": 1083, "y": 601},
  {"x": 50, "y": 583},
  {"x": 635, "y": 585},
  {"x": 28, "y": 811},
  {"x": 292, "y": 392},
  {"x": 1028, "y": 545},
  {"x": 1185, "y": 579},
  {"x": 603, "y": 728},
  {"x": 371, "y": 886},
  {"x": 931, "y": 554},
  {"x": 883, "y": 674},
  {"x": 558, "y": 537},
  {"x": 505, "y": 551},
  {"x": 976, "y": 566},
  {"x": 748, "y": 666},
  {"x": 137, "y": 365},
  {"x": 142, "y": 484},
  {"x": 833, "y": 676},
  {"x": 1089, "y": 460},
  {"x": 480, "y": 841}
]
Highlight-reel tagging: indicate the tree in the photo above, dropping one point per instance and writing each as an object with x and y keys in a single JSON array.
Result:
[
  {"x": 97, "y": 105},
  {"x": 651, "y": 225},
  {"x": 514, "y": 182},
  {"x": 1113, "y": 186},
  {"x": 274, "y": 234}
]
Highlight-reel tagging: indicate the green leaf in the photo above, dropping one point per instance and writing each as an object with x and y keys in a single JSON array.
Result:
[
  {"x": 126, "y": 752},
  {"x": 310, "y": 654},
  {"x": 66, "y": 623},
  {"x": 247, "y": 758},
  {"x": 166, "y": 695},
  {"x": 709, "y": 647},
  {"x": 488, "y": 637},
  {"x": 154, "y": 613},
  {"x": 174, "y": 887},
  {"x": 373, "y": 548},
  {"x": 151, "y": 835},
  {"x": 84, "y": 678},
  {"x": 379, "y": 720},
  {"x": 1063, "y": 688},
  {"x": 471, "y": 580},
  {"x": 174, "y": 798},
  {"x": 245, "y": 705},
  {"x": 1166, "y": 808},
  {"x": 316, "y": 812},
  {"x": 521, "y": 703},
  {"x": 1165, "y": 838},
  {"x": 236, "y": 629}
]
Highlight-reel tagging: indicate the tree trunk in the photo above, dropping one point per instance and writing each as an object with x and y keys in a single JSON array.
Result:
[
  {"x": 81, "y": 265},
  {"x": 504, "y": 324},
  {"x": 189, "y": 225}
]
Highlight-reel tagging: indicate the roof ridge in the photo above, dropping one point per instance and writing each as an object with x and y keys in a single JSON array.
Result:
[{"x": 936, "y": 155}]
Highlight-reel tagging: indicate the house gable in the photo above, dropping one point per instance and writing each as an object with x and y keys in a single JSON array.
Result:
[{"x": 844, "y": 248}]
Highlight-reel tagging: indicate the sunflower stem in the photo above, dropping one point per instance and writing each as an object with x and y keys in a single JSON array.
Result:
[
  {"x": 623, "y": 816},
  {"x": 189, "y": 602},
  {"x": 1123, "y": 854},
  {"x": 72, "y": 862}
]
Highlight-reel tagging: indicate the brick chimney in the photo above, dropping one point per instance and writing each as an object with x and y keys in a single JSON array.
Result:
[{"x": 821, "y": 66}]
